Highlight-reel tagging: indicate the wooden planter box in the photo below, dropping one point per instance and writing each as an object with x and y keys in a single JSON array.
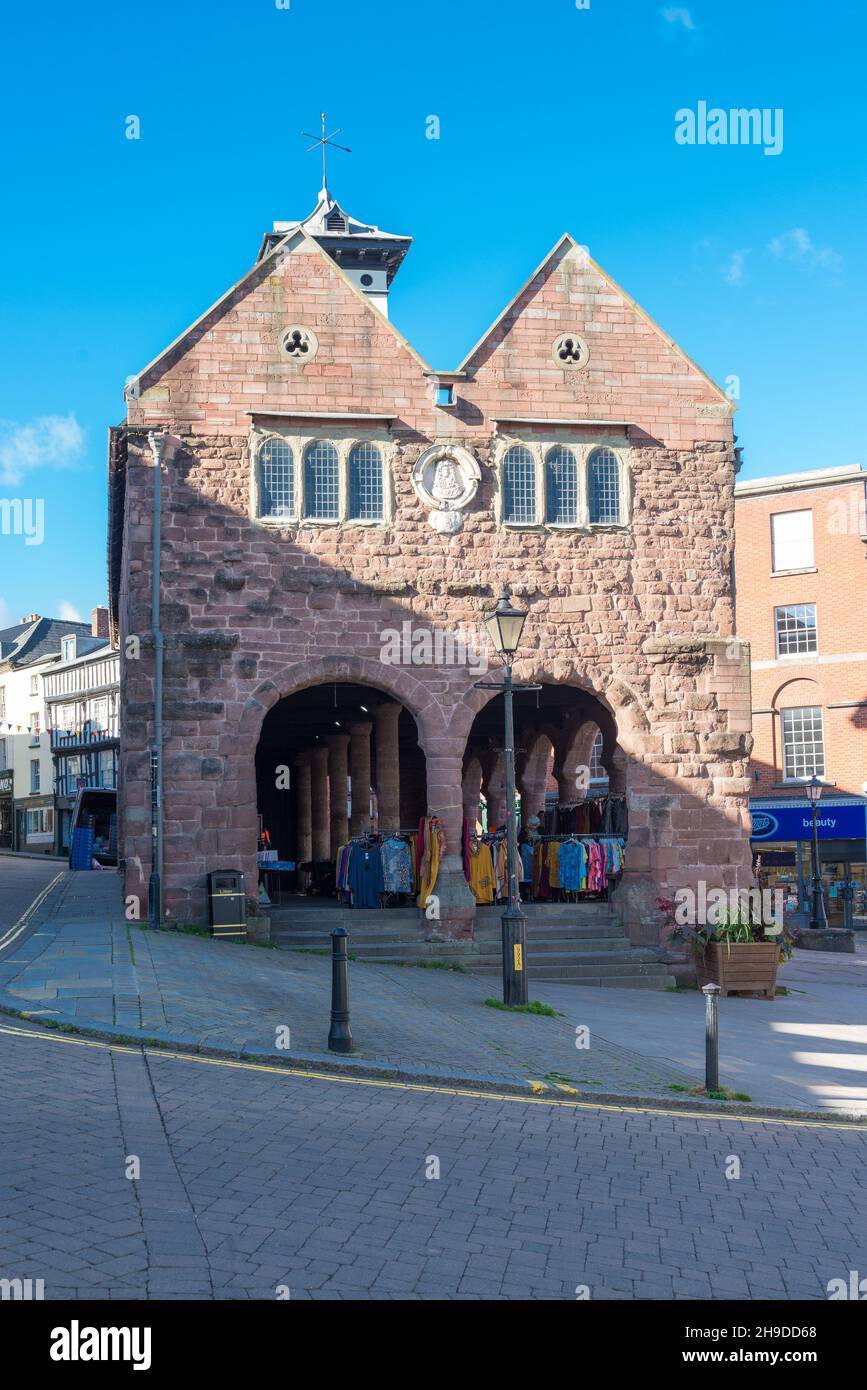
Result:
[{"x": 748, "y": 967}]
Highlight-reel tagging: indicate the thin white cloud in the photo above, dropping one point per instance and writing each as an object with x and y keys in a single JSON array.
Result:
[
  {"x": 798, "y": 246},
  {"x": 733, "y": 272},
  {"x": 51, "y": 441},
  {"x": 678, "y": 14},
  {"x": 68, "y": 612},
  {"x": 6, "y": 619}
]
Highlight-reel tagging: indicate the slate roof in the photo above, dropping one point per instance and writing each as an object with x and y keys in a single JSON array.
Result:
[{"x": 27, "y": 643}]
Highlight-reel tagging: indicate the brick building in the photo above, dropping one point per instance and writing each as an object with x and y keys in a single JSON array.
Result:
[
  {"x": 801, "y": 586},
  {"x": 325, "y": 489},
  {"x": 801, "y": 583}
]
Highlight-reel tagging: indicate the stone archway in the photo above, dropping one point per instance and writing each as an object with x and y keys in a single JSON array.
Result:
[{"x": 334, "y": 761}]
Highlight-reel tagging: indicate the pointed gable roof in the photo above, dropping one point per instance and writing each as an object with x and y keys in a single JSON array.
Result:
[
  {"x": 559, "y": 250},
  {"x": 287, "y": 245}
]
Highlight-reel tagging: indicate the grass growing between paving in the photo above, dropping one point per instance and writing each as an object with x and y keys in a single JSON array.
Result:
[
  {"x": 535, "y": 1006},
  {"x": 721, "y": 1094}
]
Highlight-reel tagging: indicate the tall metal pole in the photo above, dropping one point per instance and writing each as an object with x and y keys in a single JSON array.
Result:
[
  {"x": 514, "y": 922},
  {"x": 818, "y": 916},
  {"x": 155, "y": 887}
]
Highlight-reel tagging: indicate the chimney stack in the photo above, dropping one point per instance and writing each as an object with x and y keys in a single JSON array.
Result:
[{"x": 99, "y": 622}]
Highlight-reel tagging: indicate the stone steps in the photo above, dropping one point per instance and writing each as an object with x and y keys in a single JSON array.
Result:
[
  {"x": 555, "y": 950},
  {"x": 585, "y": 943}
]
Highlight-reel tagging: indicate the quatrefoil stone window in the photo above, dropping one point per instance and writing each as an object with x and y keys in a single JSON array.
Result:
[
  {"x": 570, "y": 351},
  {"x": 298, "y": 343}
]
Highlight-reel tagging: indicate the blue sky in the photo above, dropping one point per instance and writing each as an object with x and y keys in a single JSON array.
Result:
[{"x": 552, "y": 118}]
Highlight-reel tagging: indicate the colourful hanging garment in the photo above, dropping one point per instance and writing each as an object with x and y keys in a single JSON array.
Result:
[
  {"x": 432, "y": 847},
  {"x": 482, "y": 873},
  {"x": 365, "y": 876},
  {"x": 554, "y": 864},
  {"x": 397, "y": 870}
]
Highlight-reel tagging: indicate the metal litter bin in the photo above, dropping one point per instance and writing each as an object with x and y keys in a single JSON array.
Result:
[{"x": 226, "y": 903}]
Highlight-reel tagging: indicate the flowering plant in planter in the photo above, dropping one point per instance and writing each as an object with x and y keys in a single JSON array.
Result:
[
  {"x": 734, "y": 950},
  {"x": 741, "y": 926}
]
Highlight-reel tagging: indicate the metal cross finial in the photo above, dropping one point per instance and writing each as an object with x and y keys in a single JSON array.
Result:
[{"x": 325, "y": 140}]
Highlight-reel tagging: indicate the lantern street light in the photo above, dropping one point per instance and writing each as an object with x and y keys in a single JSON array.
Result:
[
  {"x": 813, "y": 788},
  {"x": 818, "y": 915},
  {"x": 505, "y": 623}
]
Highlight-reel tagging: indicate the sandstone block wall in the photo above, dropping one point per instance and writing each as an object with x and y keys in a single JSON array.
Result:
[{"x": 638, "y": 614}]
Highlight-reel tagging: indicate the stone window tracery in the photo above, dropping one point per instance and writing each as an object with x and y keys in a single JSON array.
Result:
[
  {"x": 307, "y": 479},
  {"x": 563, "y": 485}
]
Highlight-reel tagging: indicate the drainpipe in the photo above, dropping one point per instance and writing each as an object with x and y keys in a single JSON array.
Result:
[{"x": 155, "y": 887}]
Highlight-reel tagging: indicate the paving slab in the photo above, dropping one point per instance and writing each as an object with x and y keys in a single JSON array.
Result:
[{"x": 86, "y": 965}]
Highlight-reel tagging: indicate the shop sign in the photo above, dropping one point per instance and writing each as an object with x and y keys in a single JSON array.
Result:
[
  {"x": 6, "y": 783},
  {"x": 796, "y": 822}
]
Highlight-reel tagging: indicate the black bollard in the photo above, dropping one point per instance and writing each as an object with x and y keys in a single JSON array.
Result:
[
  {"x": 340, "y": 1033},
  {"x": 711, "y": 1037}
]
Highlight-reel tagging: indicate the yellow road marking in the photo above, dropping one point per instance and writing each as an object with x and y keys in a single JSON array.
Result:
[
  {"x": 429, "y": 1088},
  {"x": 23, "y": 921}
]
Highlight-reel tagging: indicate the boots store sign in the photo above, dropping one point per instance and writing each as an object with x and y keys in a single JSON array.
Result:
[{"x": 796, "y": 822}]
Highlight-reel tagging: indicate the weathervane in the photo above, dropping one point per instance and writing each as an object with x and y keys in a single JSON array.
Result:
[{"x": 325, "y": 140}]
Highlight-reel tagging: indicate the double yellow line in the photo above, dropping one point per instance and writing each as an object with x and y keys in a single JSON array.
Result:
[
  {"x": 428, "y": 1088},
  {"x": 13, "y": 933}
]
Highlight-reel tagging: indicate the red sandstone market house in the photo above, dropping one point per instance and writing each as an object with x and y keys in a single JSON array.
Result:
[{"x": 322, "y": 486}]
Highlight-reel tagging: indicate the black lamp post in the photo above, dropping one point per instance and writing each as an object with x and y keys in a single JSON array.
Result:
[
  {"x": 818, "y": 915},
  {"x": 505, "y": 625}
]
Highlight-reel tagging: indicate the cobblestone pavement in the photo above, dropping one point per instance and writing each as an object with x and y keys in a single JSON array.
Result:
[
  {"x": 254, "y": 1184},
  {"x": 84, "y": 963}
]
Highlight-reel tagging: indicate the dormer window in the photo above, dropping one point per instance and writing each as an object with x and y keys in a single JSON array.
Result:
[{"x": 68, "y": 648}]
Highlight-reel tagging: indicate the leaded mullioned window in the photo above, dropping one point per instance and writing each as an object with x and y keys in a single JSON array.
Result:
[
  {"x": 277, "y": 479},
  {"x": 603, "y": 487},
  {"x": 519, "y": 485},
  {"x": 561, "y": 487},
  {"x": 365, "y": 483},
  {"x": 321, "y": 482}
]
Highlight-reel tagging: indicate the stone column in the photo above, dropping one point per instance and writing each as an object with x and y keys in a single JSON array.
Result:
[
  {"x": 338, "y": 772},
  {"x": 471, "y": 792},
  {"x": 303, "y": 813},
  {"x": 385, "y": 720},
  {"x": 319, "y": 802},
  {"x": 359, "y": 771},
  {"x": 533, "y": 779},
  {"x": 495, "y": 792}
]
